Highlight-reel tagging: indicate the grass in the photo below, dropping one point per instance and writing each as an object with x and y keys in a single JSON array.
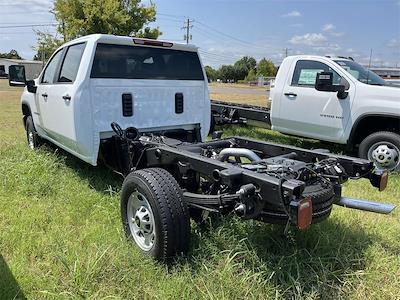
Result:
[
  {"x": 61, "y": 237},
  {"x": 258, "y": 100}
]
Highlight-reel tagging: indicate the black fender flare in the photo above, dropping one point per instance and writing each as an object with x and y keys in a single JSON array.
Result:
[{"x": 352, "y": 136}]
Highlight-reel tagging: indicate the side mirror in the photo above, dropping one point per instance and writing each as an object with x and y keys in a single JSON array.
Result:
[
  {"x": 324, "y": 83},
  {"x": 16, "y": 75}
]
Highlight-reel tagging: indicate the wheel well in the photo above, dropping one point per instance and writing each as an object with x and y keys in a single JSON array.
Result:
[
  {"x": 370, "y": 124},
  {"x": 26, "y": 112}
]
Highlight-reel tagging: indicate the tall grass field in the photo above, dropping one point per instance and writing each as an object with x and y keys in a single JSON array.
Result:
[{"x": 61, "y": 237}]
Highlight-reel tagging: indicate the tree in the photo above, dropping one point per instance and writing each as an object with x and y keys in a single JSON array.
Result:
[
  {"x": 121, "y": 17},
  {"x": 46, "y": 45},
  {"x": 266, "y": 68},
  {"x": 249, "y": 62},
  {"x": 12, "y": 54},
  {"x": 227, "y": 73},
  {"x": 212, "y": 74},
  {"x": 251, "y": 76}
]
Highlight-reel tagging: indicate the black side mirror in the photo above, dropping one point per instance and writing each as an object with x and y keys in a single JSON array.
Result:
[
  {"x": 324, "y": 83},
  {"x": 16, "y": 75}
]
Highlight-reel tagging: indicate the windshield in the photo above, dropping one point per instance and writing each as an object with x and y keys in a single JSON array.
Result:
[{"x": 360, "y": 73}]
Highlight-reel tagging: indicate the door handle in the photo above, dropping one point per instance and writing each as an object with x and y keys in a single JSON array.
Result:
[
  {"x": 67, "y": 97},
  {"x": 290, "y": 94},
  {"x": 44, "y": 95}
]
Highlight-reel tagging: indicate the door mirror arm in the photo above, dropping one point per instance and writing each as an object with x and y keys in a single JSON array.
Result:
[{"x": 31, "y": 87}]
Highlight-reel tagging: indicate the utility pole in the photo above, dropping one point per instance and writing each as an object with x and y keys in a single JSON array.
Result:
[
  {"x": 286, "y": 51},
  {"x": 370, "y": 58},
  {"x": 188, "y": 25}
]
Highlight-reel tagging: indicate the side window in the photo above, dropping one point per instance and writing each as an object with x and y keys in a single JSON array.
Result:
[
  {"x": 305, "y": 73},
  {"x": 71, "y": 63},
  {"x": 51, "y": 68}
]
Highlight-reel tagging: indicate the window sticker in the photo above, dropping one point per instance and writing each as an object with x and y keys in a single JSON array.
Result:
[{"x": 308, "y": 76}]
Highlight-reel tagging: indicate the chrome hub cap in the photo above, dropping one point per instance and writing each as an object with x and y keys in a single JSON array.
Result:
[
  {"x": 31, "y": 142},
  {"x": 141, "y": 221},
  {"x": 385, "y": 155}
]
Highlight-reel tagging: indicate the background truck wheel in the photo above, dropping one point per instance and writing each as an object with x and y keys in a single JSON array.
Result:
[
  {"x": 31, "y": 134},
  {"x": 154, "y": 214},
  {"x": 383, "y": 148}
]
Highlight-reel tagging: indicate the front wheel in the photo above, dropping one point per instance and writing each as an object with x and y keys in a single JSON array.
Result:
[
  {"x": 31, "y": 134},
  {"x": 383, "y": 148},
  {"x": 153, "y": 213}
]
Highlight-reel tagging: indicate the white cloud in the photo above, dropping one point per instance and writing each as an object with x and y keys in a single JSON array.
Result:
[
  {"x": 294, "y": 13},
  {"x": 309, "y": 39},
  {"x": 330, "y": 29},
  {"x": 393, "y": 43}
]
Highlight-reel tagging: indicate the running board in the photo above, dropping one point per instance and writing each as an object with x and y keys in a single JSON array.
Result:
[{"x": 381, "y": 208}]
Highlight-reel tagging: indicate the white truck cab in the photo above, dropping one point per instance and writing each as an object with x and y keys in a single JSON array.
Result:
[
  {"x": 92, "y": 81},
  {"x": 364, "y": 116}
]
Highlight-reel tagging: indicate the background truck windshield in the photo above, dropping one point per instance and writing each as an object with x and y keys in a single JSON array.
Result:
[
  {"x": 133, "y": 62},
  {"x": 360, "y": 73}
]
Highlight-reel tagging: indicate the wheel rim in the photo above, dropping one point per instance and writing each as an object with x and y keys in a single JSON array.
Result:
[
  {"x": 385, "y": 155},
  {"x": 141, "y": 221},
  {"x": 31, "y": 140}
]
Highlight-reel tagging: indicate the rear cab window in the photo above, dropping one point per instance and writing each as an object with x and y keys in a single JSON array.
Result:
[
  {"x": 305, "y": 73},
  {"x": 135, "y": 62},
  {"x": 70, "y": 65}
]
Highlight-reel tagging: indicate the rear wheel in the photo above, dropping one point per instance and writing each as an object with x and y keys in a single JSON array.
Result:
[
  {"x": 383, "y": 148},
  {"x": 154, "y": 214},
  {"x": 31, "y": 134}
]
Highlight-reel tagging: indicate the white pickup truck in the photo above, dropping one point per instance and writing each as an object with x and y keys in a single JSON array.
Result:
[
  {"x": 142, "y": 107},
  {"x": 357, "y": 109}
]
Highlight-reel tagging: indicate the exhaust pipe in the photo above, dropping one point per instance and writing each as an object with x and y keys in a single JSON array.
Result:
[{"x": 380, "y": 208}]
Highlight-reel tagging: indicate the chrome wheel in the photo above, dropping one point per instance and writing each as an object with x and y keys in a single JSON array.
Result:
[
  {"x": 141, "y": 221},
  {"x": 385, "y": 155}
]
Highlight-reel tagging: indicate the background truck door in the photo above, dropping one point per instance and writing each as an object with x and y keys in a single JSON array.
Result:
[
  {"x": 57, "y": 92},
  {"x": 304, "y": 111}
]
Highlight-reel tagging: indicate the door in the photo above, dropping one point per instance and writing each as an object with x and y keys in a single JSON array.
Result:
[
  {"x": 304, "y": 111},
  {"x": 57, "y": 93}
]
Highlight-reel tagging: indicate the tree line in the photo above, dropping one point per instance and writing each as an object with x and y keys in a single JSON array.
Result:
[{"x": 245, "y": 69}]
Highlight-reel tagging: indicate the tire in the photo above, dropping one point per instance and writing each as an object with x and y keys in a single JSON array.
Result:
[
  {"x": 383, "y": 148},
  {"x": 166, "y": 225},
  {"x": 212, "y": 123},
  {"x": 32, "y": 136},
  {"x": 322, "y": 195}
]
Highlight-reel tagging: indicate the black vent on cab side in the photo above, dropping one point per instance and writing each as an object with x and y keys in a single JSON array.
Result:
[
  {"x": 127, "y": 105},
  {"x": 178, "y": 103}
]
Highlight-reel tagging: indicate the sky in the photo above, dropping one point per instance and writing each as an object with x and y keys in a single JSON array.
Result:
[{"x": 226, "y": 30}]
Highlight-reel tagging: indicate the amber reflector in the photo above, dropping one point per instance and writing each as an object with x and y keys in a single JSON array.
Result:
[{"x": 304, "y": 213}]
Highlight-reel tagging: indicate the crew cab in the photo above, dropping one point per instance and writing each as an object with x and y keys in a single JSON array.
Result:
[
  {"x": 95, "y": 80},
  {"x": 356, "y": 108},
  {"x": 142, "y": 106}
]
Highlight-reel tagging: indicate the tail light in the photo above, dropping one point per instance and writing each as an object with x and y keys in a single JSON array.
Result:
[{"x": 301, "y": 212}]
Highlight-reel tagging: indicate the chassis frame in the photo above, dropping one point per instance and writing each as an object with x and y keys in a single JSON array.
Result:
[{"x": 184, "y": 162}]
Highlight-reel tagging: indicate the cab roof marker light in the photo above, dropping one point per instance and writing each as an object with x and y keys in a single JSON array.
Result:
[{"x": 152, "y": 43}]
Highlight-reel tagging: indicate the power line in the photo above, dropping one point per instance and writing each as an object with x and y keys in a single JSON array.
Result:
[{"x": 27, "y": 26}]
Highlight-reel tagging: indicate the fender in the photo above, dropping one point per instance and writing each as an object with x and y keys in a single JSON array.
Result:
[{"x": 352, "y": 136}]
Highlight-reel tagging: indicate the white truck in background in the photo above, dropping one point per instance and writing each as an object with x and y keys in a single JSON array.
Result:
[{"x": 348, "y": 105}]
